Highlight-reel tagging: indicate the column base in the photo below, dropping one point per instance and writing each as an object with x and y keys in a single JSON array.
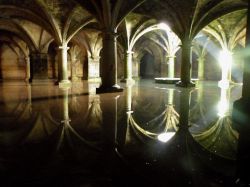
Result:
[
  {"x": 223, "y": 84},
  {"x": 28, "y": 80},
  {"x": 129, "y": 81},
  {"x": 185, "y": 84},
  {"x": 64, "y": 84},
  {"x": 74, "y": 79},
  {"x": 113, "y": 89}
]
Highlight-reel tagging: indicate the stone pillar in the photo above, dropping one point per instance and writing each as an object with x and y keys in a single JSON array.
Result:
[
  {"x": 94, "y": 69},
  {"x": 27, "y": 61},
  {"x": 109, "y": 64},
  {"x": 186, "y": 64},
  {"x": 171, "y": 70},
  {"x": 201, "y": 61},
  {"x": 246, "y": 73},
  {"x": 241, "y": 117},
  {"x": 63, "y": 66},
  {"x": 135, "y": 67},
  {"x": 230, "y": 69},
  {"x": 226, "y": 67},
  {"x": 128, "y": 73}
]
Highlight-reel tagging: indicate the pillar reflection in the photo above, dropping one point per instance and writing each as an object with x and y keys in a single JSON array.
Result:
[
  {"x": 68, "y": 133},
  {"x": 109, "y": 109},
  {"x": 161, "y": 128},
  {"x": 199, "y": 110},
  {"x": 220, "y": 138}
]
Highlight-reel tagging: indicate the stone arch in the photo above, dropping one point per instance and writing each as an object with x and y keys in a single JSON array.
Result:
[
  {"x": 146, "y": 46},
  {"x": 52, "y": 60},
  {"x": 77, "y": 61},
  {"x": 13, "y": 57}
]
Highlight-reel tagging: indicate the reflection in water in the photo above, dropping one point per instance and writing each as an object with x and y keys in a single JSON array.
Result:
[
  {"x": 163, "y": 127},
  {"x": 197, "y": 113},
  {"x": 93, "y": 118},
  {"x": 106, "y": 137},
  {"x": 219, "y": 137}
]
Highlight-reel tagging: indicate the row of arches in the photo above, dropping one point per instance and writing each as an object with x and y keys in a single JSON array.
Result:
[{"x": 68, "y": 43}]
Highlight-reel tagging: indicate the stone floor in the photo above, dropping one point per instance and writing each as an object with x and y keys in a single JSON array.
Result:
[{"x": 150, "y": 134}]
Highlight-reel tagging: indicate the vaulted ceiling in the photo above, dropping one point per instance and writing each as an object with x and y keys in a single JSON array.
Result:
[{"x": 62, "y": 19}]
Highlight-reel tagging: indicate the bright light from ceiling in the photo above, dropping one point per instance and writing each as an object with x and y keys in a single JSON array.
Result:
[
  {"x": 225, "y": 58},
  {"x": 166, "y": 136},
  {"x": 225, "y": 61},
  {"x": 163, "y": 26}
]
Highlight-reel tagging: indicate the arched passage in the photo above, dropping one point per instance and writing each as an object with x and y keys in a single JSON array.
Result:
[
  {"x": 52, "y": 61},
  {"x": 149, "y": 57},
  {"x": 147, "y": 65},
  {"x": 13, "y": 57}
]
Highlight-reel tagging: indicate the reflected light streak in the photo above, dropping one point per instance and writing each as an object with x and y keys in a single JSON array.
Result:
[
  {"x": 223, "y": 105},
  {"x": 166, "y": 136},
  {"x": 163, "y": 26}
]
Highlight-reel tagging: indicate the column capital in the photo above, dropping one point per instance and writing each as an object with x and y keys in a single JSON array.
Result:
[
  {"x": 27, "y": 58},
  {"x": 129, "y": 52},
  {"x": 170, "y": 56},
  {"x": 95, "y": 57},
  {"x": 63, "y": 47}
]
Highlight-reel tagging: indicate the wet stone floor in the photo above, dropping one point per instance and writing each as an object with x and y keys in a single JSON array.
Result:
[{"x": 148, "y": 135}]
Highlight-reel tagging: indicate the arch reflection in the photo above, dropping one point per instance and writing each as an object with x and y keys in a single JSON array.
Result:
[
  {"x": 219, "y": 137},
  {"x": 162, "y": 127}
]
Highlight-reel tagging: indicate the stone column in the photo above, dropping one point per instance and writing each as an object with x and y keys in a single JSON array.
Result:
[
  {"x": 135, "y": 67},
  {"x": 226, "y": 66},
  {"x": 63, "y": 66},
  {"x": 201, "y": 61},
  {"x": 94, "y": 69},
  {"x": 241, "y": 113},
  {"x": 171, "y": 60},
  {"x": 128, "y": 73},
  {"x": 230, "y": 69},
  {"x": 241, "y": 117},
  {"x": 27, "y": 61},
  {"x": 109, "y": 64},
  {"x": 186, "y": 64}
]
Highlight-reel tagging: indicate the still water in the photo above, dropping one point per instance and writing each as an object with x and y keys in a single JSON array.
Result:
[{"x": 150, "y": 134}]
